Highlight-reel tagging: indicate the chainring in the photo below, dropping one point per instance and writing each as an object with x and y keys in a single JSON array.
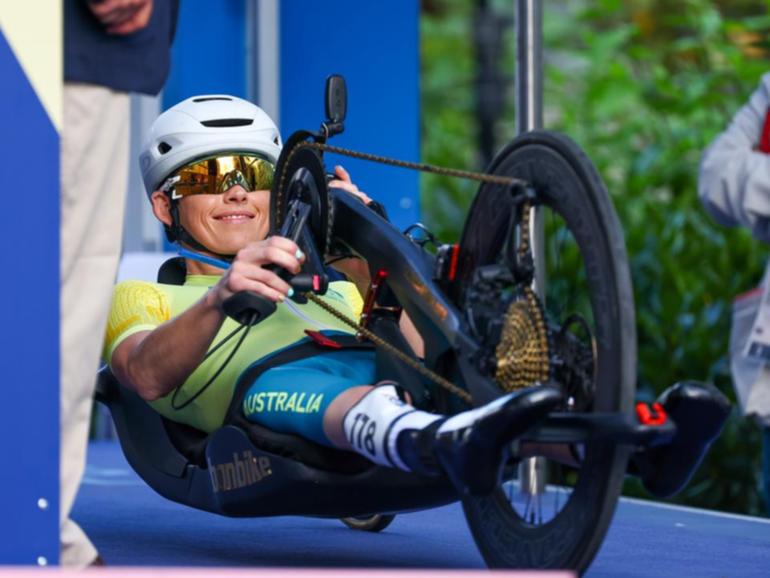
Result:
[{"x": 293, "y": 158}]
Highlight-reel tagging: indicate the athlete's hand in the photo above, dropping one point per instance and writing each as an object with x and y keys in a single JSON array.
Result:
[
  {"x": 356, "y": 270},
  {"x": 343, "y": 182},
  {"x": 122, "y": 16},
  {"x": 248, "y": 271}
]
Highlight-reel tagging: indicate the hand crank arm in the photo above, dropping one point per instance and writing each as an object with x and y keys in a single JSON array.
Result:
[{"x": 248, "y": 308}]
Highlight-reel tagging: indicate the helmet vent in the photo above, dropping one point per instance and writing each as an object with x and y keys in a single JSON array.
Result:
[
  {"x": 207, "y": 98},
  {"x": 163, "y": 148},
  {"x": 221, "y": 122},
  {"x": 275, "y": 140}
]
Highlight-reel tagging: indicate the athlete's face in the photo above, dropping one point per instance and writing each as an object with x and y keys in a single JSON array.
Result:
[{"x": 226, "y": 222}]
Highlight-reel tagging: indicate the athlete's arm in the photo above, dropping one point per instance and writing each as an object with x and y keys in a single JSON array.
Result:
[{"x": 155, "y": 362}]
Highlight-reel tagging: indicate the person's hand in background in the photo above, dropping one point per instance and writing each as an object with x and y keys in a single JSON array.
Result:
[{"x": 122, "y": 16}]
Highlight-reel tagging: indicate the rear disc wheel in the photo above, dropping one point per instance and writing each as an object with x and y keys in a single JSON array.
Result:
[{"x": 587, "y": 303}]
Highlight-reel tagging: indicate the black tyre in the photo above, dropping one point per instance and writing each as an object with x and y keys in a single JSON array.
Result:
[
  {"x": 589, "y": 311},
  {"x": 373, "y": 523}
]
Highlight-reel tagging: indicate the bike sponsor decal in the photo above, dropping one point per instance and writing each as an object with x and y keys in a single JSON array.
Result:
[{"x": 239, "y": 473}]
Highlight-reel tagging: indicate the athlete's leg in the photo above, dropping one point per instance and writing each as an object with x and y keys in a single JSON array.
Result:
[
  {"x": 471, "y": 448},
  {"x": 298, "y": 397},
  {"x": 326, "y": 399},
  {"x": 335, "y": 414}
]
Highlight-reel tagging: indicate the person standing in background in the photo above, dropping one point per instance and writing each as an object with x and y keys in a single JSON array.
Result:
[
  {"x": 111, "y": 48},
  {"x": 734, "y": 187}
]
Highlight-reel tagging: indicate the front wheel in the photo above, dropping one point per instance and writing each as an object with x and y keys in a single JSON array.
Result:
[
  {"x": 586, "y": 302},
  {"x": 373, "y": 523}
]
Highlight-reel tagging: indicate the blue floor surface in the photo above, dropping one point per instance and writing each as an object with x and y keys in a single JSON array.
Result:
[{"x": 131, "y": 525}]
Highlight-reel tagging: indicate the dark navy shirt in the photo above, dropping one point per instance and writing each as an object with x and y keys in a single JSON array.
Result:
[{"x": 137, "y": 62}]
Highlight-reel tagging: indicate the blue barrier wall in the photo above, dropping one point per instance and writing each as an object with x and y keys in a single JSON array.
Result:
[
  {"x": 209, "y": 51},
  {"x": 208, "y": 55},
  {"x": 375, "y": 46},
  {"x": 29, "y": 354}
]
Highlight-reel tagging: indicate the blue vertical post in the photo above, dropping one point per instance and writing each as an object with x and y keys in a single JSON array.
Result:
[{"x": 29, "y": 237}]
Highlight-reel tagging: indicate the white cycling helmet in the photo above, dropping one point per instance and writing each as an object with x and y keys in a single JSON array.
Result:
[{"x": 201, "y": 126}]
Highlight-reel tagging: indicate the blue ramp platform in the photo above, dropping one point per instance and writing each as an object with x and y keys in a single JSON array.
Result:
[{"x": 131, "y": 525}]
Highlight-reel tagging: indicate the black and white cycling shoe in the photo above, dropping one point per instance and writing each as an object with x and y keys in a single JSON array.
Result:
[{"x": 472, "y": 447}]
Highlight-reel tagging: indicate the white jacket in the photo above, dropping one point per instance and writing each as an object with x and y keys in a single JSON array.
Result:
[{"x": 734, "y": 187}]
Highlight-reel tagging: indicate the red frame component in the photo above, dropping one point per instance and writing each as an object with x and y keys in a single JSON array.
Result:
[
  {"x": 453, "y": 261},
  {"x": 371, "y": 295},
  {"x": 322, "y": 340},
  {"x": 651, "y": 416}
]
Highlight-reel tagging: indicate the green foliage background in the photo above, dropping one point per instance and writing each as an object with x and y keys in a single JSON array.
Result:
[{"x": 643, "y": 86}]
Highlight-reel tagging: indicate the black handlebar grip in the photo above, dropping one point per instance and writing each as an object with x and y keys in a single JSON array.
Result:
[
  {"x": 310, "y": 283},
  {"x": 248, "y": 308}
]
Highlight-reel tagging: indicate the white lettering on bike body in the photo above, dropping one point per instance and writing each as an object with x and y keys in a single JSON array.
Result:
[{"x": 239, "y": 473}]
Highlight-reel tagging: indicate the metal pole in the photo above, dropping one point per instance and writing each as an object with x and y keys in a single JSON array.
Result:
[
  {"x": 529, "y": 103},
  {"x": 529, "y": 65},
  {"x": 529, "y": 116}
]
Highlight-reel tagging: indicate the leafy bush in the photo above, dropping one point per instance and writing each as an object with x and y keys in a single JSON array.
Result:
[{"x": 643, "y": 87}]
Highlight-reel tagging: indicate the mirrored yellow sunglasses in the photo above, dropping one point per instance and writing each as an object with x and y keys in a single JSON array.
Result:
[{"x": 215, "y": 175}]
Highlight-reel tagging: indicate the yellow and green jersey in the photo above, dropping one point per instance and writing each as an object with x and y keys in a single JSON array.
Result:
[{"x": 142, "y": 306}]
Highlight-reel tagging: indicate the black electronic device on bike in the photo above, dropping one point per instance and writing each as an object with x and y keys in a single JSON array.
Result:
[
  {"x": 487, "y": 329},
  {"x": 335, "y": 106}
]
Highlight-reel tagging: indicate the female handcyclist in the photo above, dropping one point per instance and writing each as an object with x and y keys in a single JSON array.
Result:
[{"x": 208, "y": 168}]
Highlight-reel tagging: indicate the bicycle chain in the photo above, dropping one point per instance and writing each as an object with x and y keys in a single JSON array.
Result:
[
  {"x": 515, "y": 325},
  {"x": 377, "y": 340}
]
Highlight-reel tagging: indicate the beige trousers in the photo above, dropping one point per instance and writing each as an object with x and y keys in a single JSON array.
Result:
[{"x": 94, "y": 173}]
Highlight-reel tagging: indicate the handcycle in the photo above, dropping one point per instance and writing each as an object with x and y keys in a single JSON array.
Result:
[{"x": 493, "y": 318}]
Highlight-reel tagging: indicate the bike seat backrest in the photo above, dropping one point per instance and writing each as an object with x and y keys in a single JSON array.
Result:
[
  {"x": 139, "y": 427},
  {"x": 172, "y": 272}
]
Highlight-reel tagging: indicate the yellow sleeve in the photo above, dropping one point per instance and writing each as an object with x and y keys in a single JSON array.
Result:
[
  {"x": 350, "y": 295},
  {"x": 136, "y": 306}
]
